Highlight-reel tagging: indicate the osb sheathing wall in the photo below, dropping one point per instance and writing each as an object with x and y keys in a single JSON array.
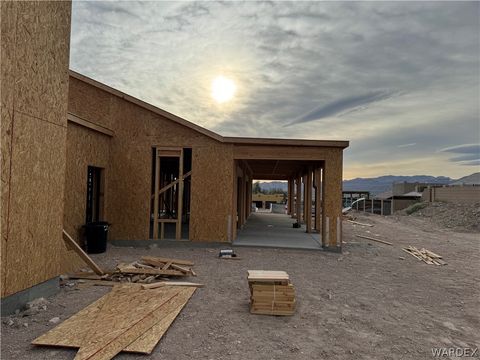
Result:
[
  {"x": 137, "y": 130},
  {"x": 85, "y": 147},
  {"x": 34, "y": 70}
]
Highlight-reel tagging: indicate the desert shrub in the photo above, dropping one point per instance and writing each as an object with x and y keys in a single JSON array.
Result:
[{"x": 415, "y": 207}]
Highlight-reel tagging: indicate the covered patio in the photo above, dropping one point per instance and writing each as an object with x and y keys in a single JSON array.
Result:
[
  {"x": 313, "y": 170},
  {"x": 275, "y": 230}
]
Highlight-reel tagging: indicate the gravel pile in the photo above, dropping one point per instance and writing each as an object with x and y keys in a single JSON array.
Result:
[{"x": 456, "y": 216}]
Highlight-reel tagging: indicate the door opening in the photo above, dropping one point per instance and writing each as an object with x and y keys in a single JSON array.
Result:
[
  {"x": 94, "y": 209},
  {"x": 171, "y": 187}
]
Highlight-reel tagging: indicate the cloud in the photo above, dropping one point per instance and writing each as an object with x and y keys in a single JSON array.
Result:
[
  {"x": 298, "y": 62},
  {"x": 463, "y": 149},
  {"x": 471, "y": 163},
  {"x": 338, "y": 106},
  {"x": 406, "y": 145},
  {"x": 470, "y": 154}
]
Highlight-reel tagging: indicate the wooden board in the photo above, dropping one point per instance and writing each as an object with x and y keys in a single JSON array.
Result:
[
  {"x": 265, "y": 275},
  {"x": 269, "y": 312},
  {"x": 358, "y": 223},
  {"x": 104, "y": 345},
  {"x": 132, "y": 270},
  {"x": 71, "y": 332},
  {"x": 87, "y": 259},
  {"x": 160, "y": 261},
  {"x": 129, "y": 301},
  {"x": 374, "y": 239},
  {"x": 164, "y": 316},
  {"x": 170, "y": 283}
]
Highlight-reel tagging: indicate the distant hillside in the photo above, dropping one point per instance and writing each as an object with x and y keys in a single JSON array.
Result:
[
  {"x": 384, "y": 183},
  {"x": 271, "y": 185},
  {"x": 473, "y": 179}
]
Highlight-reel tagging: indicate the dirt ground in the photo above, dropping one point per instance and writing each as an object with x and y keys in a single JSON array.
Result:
[{"x": 374, "y": 301}]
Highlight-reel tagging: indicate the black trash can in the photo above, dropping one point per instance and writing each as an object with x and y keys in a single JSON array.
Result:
[{"x": 96, "y": 234}]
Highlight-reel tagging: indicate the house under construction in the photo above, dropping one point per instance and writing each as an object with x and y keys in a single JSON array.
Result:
[{"x": 75, "y": 150}]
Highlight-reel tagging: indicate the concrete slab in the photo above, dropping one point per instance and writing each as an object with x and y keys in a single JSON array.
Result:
[{"x": 275, "y": 230}]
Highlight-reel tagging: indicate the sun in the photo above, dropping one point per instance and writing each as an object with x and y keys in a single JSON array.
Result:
[{"x": 223, "y": 89}]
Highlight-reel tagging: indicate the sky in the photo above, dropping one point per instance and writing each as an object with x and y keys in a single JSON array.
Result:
[{"x": 400, "y": 81}]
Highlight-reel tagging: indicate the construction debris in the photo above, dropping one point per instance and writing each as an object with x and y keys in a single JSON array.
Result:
[
  {"x": 425, "y": 255},
  {"x": 373, "y": 239},
  {"x": 359, "y": 223},
  {"x": 145, "y": 271},
  {"x": 271, "y": 293},
  {"x": 126, "y": 319}
]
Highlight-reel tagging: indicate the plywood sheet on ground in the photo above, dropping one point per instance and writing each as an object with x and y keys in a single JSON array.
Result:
[{"x": 74, "y": 331}]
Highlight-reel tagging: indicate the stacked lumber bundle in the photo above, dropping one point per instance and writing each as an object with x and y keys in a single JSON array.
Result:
[
  {"x": 271, "y": 293},
  {"x": 425, "y": 255},
  {"x": 126, "y": 319}
]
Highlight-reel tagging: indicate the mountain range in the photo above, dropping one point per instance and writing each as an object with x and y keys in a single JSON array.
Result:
[{"x": 381, "y": 184}]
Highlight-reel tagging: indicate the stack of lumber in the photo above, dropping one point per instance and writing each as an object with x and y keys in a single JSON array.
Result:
[
  {"x": 425, "y": 255},
  {"x": 271, "y": 293},
  {"x": 127, "y": 319}
]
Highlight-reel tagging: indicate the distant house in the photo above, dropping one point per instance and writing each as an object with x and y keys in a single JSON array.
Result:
[{"x": 263, "y": 201}]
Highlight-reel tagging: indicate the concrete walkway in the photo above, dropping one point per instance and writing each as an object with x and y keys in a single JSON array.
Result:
[{"x": 275, "y": 230}]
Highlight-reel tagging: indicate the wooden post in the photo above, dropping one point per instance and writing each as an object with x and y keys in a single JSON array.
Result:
[
  {"x": 372, "y": 207},
  {"x": 318, "y": 200},
  {"x": 332, "y": 202},
  {"x": 156, "y": 200},
  {"x": 298, "y": 202},
  {"x": 289, "y": 197},
  {"x": 308, "y": 201},
  {"x": 304, "y": 214},
  {"x": 381, "y": 207},
  {"x": 178, "y": 233},
  {"x": 324, "y": 232},
  {"x": 294, "y": 204}
]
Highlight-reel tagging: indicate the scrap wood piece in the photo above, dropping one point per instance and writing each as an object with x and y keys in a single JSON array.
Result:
[
  {"x": 134, "y": 305},
  {"x": 133, "y": 270},
  {"x": 109, "y": 283},
  {"x": 170, "y": 283},
  {"x": 85, "y": 275},
  {"x": 431, "y": 254},
  {"x": 373, "y": 239},
  {"x": 359, "y": 223},
  {"x": 167, "y": 265},
  {"x": 103, "y": 349},
  {"x": 183, "y": 269},
  {"x": 160, "y": 261},
  {"x": 83, "y": 255},
  {"x": 71, "y": 332},
  {"x": 412, "y": 253}
]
